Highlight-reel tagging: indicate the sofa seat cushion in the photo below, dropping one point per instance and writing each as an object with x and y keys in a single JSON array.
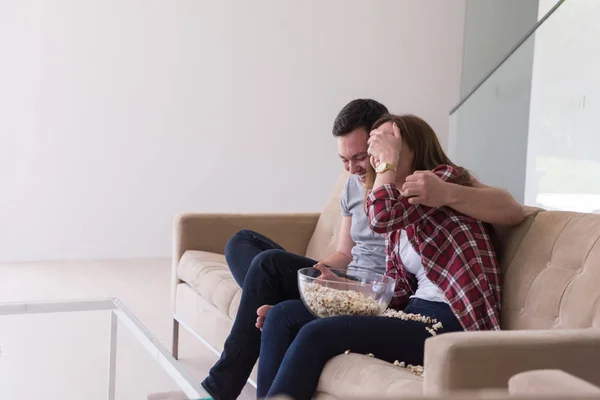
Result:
[
  {"x": 356, "y": 376},
  {"x": 208, "y": 275}
]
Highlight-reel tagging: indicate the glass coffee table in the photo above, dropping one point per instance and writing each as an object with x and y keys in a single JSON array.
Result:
[{"x": 85, "y": 349}]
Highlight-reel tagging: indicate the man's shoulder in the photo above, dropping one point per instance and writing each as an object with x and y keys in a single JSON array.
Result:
[
  {"x": 353, "y": 185},
  {"x": 354, "y": 191}
]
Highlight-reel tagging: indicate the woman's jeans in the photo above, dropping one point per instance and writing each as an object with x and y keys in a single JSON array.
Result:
[
  {"x": 268, "y": 275},
  {"x": 296, "y": 346}
]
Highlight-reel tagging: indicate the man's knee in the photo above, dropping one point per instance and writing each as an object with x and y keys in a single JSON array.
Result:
[
  {"x": 268, "y": 259},
  {"x": 240, "y": 237}
]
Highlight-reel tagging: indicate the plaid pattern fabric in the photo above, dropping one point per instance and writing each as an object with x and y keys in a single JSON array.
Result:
[{"x": 456, "y": 252}]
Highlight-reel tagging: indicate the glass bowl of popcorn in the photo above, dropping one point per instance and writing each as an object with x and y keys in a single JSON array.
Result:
[{"x": 334, "y": 292}]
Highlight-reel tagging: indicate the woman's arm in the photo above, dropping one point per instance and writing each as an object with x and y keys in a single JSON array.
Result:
[
  {"x": 343, "y": 253},
  {"x": 388, "y": 210}
]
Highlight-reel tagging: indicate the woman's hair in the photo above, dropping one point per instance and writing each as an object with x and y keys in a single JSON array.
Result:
[{"x": 422, "y": 140}]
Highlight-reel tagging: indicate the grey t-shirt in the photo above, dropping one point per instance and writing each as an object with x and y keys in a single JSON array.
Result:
[{"x": 369, "y": 249}]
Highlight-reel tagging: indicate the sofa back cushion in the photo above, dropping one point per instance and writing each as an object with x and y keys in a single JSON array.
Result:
[
  {"x": 324, "y": 240},
  {"x": 507, "y": 239},
  {"x": 552, "y": 272}
]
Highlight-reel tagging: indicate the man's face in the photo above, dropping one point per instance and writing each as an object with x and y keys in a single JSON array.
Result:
[{"x": 352, "y": 149}]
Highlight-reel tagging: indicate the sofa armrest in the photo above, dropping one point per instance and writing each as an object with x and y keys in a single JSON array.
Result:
[
  {"x": 549, "y": 382},
  {"x": 474, "y": 360}
]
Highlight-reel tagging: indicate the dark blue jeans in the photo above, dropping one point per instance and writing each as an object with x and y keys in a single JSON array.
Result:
[
  {"x": 241, "y": 249},
  {"x": 296, "y": 346},
  {"x": 268, "y": 275}
]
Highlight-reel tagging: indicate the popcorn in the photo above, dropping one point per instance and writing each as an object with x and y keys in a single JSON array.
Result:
[
  {"x": 328, "y": 302},
  {"x": 409, "y": 317},
  {"x": 415, "y": 317},
  {"x": 347, "y": 352},
  {"x": 418, "y": 370},
  {"x": 370, "y": 355}
]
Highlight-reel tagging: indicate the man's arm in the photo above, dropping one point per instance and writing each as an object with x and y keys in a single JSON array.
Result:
[
  {"x": 487, "y": 204},
  {"x": 343, "y": 253}
]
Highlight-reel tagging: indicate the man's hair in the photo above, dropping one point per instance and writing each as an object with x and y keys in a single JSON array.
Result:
[{"x": 359, "y": 113}]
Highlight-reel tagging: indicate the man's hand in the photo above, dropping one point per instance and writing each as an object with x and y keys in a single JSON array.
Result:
[
  {"x": 384, "y": 146},
  {"x": 326, "y": 273},
  {"x": 344, "y": 283},
  {"x": 320, "y": 266},
  {"x": 425, "y": 187}
]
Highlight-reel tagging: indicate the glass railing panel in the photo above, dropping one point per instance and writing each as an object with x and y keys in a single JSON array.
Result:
[{"x": 533, "y": 126}]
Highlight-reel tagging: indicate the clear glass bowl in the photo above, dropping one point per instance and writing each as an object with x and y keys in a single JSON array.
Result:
[{"x": 356, "y": 291}]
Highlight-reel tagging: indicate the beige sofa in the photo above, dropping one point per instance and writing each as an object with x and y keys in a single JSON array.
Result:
[
  {"x": 551, "y": 302},
  {"x": 550, "y": 382}
]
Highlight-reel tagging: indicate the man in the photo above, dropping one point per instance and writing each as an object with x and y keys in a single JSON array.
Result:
[{"x": 267, "y": 273}]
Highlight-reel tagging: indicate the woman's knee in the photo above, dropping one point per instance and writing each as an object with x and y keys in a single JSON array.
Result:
[
  {"x": 319, "y": 332},
  {"x": 277, "y": 319}
]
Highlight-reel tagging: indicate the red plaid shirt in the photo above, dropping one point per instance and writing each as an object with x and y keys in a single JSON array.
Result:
[{"x": 456, "y": 252}]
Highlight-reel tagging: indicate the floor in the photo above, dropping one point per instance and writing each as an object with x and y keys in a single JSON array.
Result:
[{"x": 142, "y": 285}]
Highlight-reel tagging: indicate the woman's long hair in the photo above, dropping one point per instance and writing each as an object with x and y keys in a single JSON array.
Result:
[{"x": 422, "y": 140}]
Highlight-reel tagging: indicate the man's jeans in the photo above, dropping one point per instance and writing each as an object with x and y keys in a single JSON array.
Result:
[{"x": 268, "y": 275}]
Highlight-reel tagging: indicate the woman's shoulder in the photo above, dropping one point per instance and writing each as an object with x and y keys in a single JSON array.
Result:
[
  {"x": 446, "y": 172},
  {"x": 453, "y": 174}
]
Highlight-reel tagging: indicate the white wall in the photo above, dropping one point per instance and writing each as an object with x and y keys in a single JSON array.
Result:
[
  {"x": 492, "y": 29},
  {"x": 115, "y": 115}
]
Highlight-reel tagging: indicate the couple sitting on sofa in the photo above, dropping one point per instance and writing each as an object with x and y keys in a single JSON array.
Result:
[{"x": 423, "y": 223}]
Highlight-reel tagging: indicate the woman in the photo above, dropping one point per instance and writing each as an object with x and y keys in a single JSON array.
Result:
[{"x": 443, "y": 262}]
